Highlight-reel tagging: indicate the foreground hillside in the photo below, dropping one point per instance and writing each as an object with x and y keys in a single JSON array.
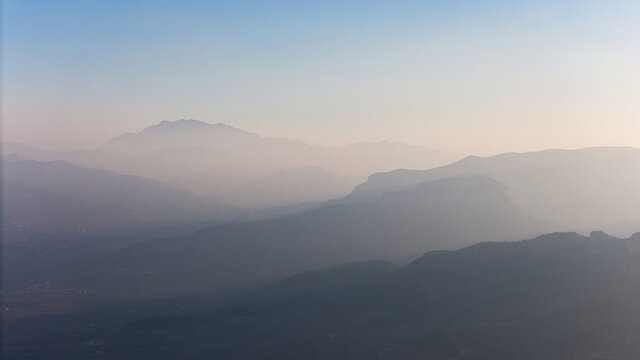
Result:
[{"x": 557, "y": 296}]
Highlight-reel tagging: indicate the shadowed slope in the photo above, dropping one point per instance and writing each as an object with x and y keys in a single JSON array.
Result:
[
  {"x": 444, "y": 214},
  {"x": 557, "y": 296}
]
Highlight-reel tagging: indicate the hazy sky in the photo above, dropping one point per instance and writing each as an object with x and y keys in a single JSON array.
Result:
[{"x": 471, "y": 76}]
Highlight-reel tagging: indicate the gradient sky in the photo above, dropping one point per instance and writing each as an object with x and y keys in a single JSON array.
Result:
[{"x": 469, "y": 76}]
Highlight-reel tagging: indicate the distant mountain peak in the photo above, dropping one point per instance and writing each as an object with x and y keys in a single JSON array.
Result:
[
  {"x": 599, "y": 235},
  {"x": 183, "y": 132},
  {"x": 189, "y": 123},
  {"x": 181, "y": 125},
  {"x": 183, "y": 122}
]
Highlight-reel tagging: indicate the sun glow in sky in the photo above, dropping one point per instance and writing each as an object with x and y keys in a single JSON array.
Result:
[{"x": 468, "y": 76}]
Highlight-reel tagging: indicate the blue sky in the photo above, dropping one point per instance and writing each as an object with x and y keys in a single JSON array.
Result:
[{"x": 471, "y": 76}]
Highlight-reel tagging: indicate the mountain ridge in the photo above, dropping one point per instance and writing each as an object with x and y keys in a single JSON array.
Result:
[
  {"x": 227, "y": 163},
  {"x": 400, "y": 226},
  {"x": 128, "y": 200},
  {"x": 556, "y": 296},
  {"x": 573, "y": 187}
]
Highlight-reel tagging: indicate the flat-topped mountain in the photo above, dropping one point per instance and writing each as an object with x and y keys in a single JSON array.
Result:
[{"x": 578, "y": 188}]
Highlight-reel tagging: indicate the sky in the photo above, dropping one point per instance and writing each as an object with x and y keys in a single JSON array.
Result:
[{"x": 476, "y": 77}]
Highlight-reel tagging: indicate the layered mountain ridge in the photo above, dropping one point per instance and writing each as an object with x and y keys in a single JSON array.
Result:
[
  {"x": 58, "y": 197},
  {"x": 581, "y": 189},
  {"x": 235, "y": 166},
  {"x": 400, "y": 225}
]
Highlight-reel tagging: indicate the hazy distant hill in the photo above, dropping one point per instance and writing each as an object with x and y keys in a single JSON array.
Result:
[
  {"x": 558, "y": 296},
  {"x": 243, "y": 168},
  {"x": 578, "y": 188},
  {"x": 192, "y": 133},
  {"x": 289, "y": 186},
  {"x": 444, "y": 214},
  {"x": 58, "y": 197}
]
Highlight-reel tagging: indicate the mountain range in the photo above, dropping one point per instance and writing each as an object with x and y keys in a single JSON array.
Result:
[
  {"x": 443, "y": 214},
  {"x": 239, "y": 167},
  {"x": 557, "y": 296},
  {"x": 580, "y": 189},
  {"x": 56, "y": 197}
]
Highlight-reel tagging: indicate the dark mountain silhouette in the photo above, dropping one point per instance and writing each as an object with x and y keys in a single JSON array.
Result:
[
  {"x": 242, "y": 168},
  {"x": 444, "y": 214},
  {"x": 340, "y": 277},
  {"x": 558, "y": 296},
  {"x": 58, "y": 197},
  {"x": 578, "y": 188}
]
